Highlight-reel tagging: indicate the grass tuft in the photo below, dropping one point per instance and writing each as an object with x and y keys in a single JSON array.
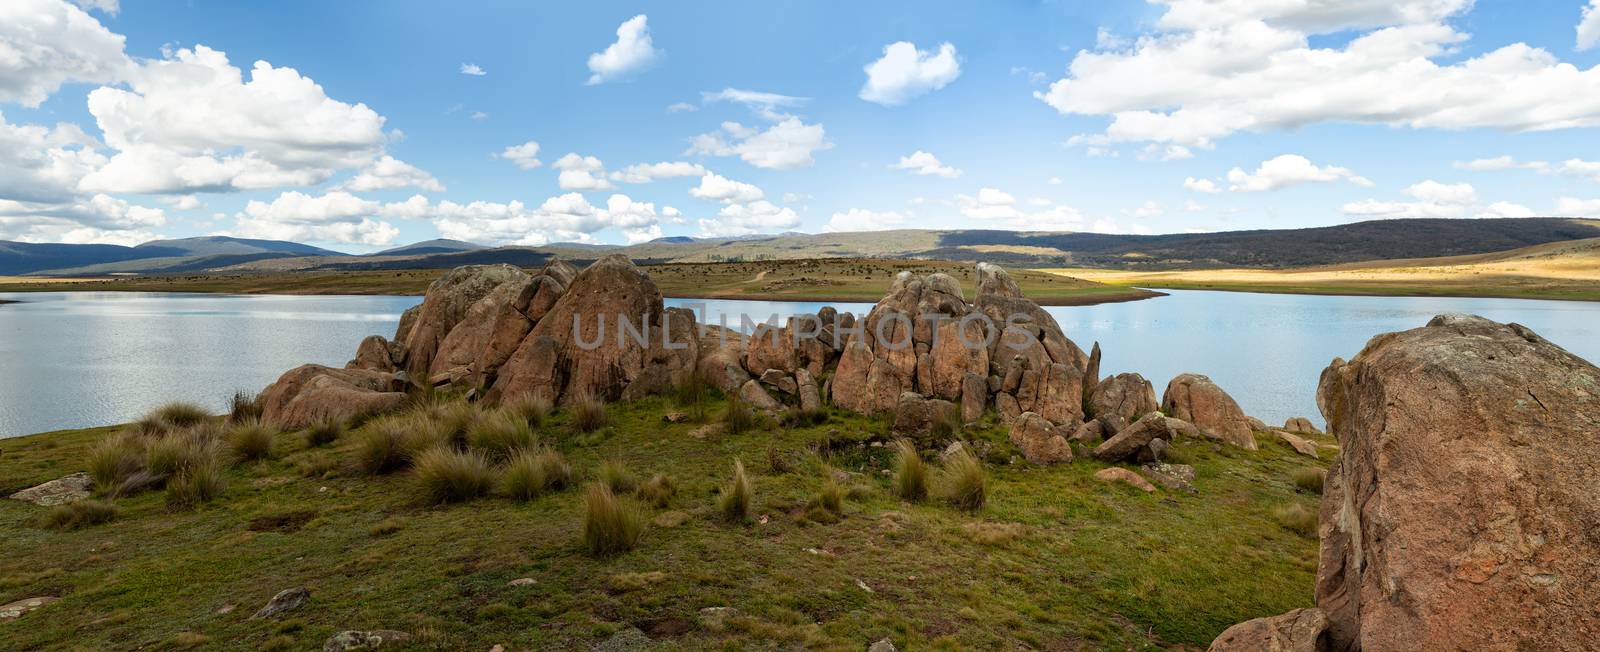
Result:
[
  {"x": 658, "y": 491},
  {"x": 610, "y": 525},
  {"x": 531, "y": 409},
  {"x": 992, "y": 534},
  {"x": 691, "y": 392},
  {"x": 910, "y": 471},
  {"x": 444, "y": 475},
  {"x": 830, "y": 497},
  {"x": 244, "y": 407},
  {"x": 114, "y": 460},
  {"x": 588, "y": 413},
  {"x": 947, "y": 423},
  {"x": 737, "y": 418},
  {"x": 736, "y": 499},
  {"x": 324, "y": 432},
  {"x": 250, "y": 441},
  {"x": 1309, "y": 479},
  {"x": 1297, "y": 518},
  {"x": 499, "y": 435},
  {"x": 531, "y": 473},
  {"x": 79, "y": 514},
  {"x": 196, "y": 484},
  {"x": 616, "y": 476},
  {"x": 963, "y": 482},
  {"x": 180, "y": 415}
]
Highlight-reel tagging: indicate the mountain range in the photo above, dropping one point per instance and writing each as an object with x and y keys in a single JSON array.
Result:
[{"x": 1261, "y": 249}]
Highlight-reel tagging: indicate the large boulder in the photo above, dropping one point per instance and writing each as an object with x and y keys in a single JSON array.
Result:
[
  {"x": 311, "y": 393},
  {"x": 448, "y": 301},
  {"x": 1133, "y": 438},
  {"x": 1194, "y": 398},
  {"x": 1127, "y": 395},
  {"x": 722, "y": 352},
  {"x": 1001, "y": 300},
  {"x": 374, "y": 354},
  {"x": 59, "y": 491},
  {"x": 1300, "y": 630},
  {"x": 916, "y": 415},
  {"x": 1461, "y": 512},
  {"x": 1041, "y": 442}
]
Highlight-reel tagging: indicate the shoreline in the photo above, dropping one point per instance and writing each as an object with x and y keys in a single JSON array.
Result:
[{"x": 1396, "y": 292}]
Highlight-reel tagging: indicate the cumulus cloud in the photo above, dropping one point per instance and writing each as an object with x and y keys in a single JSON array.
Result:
[
  {"x": 46, "y": 43},
  {"x": 563, "y": 218},
  {"x": 718, "y": 188},
  {"x": 631, "y": 53},
  {"x": 1201, "y": 185},
  {"x": 748, "y": 219},
  {"x": 582, "y": 173},
  {"x": 44, "y": 164},
  {"x": 1574, "y": 207},
  {"x": 925, "y": 164},
  {"x": 1219, "y": 67},
  {"x": 860, "y": 219},
  {"x": 1507, "y": 209},
  {"x": 988, "y": 204},
  {"x": 1499, "y": 163},
  {"x": 105, "y": 6},
  {"x": 905, "y": 73},
  {"x": 336, "y": 216},
  {"x": 389, "y": 173},
  {"x": 94, "y": 219},
  {"x": 473, "y": 69},
  {"x": 525, "y": 156},
  {"x": 768, "y": 105},
  {"x": 1288, "y": 170},
  {"x": 1572, "y": 167},
  {"x": 1589, "y": 26},
  {"x": 189, "y": 123},
  {"x": 787, "y": 144},
  {"x": 647, "y": 172},
  {"x": 1430, "y": 199},
  {"x": 992, "y": 204},
  {"x": 1150, "y": 208}
]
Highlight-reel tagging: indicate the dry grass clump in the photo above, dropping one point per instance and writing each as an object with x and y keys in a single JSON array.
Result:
[
  {"x": 625, "y": 582},
  {"x": 78, "y": 514},
  {"x": 324, "y": 432},
  {"x": 390, "y": 444},
  {"x": 992, "y": 534},
  {"x": 115, "y": 460},
  {"x": 779, "y": 461},
  {"x": 451, "y": 420},
  {"x": 615, "y": 474},
  {"x": 531, "y": 409},
  {"x": 737, "y": 418},
  {"x": 180, "y": 415},
  {"x": 610, "y": 526},
  {"x": 737, "y": 497},
  {"x": 947, "y": 423},
  {"x": 250, "y": 441},
  {"x": 244, "y": 407},
  {"x": 498, "y": 435},
  {"x": 588, "y": 413},
  {"x": 445, "y": 475},
  {"x": 962, "y": 480},
  {"x": 830, "y": 497},
  {"x": 1309, "y": 479},
  {"x": 1297, "y": 518},
  {"x": 193, "y": 485},
  {"x": 910, "y": 471},
  {"x": 658, "y": 491},
  {"x": 532, "y": 473},
  {"x": 692, "y": 392}
]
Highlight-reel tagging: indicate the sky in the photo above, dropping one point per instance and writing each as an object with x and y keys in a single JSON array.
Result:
[{"x": 360, "y": 126}]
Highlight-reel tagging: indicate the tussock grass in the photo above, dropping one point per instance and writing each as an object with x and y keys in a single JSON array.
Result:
[
  {"x": 691, "y": 392},
  {"x": 244, "y": 407},
  {"x": 324, "y": 432},
  {"x": 79, "y": 514},
  {"x": 947, "y": 423},
  {"x": 387, "y": 526},
  {"x": 737, "y": 418},
  {"x": 737, "y": 497},
  {"x": 451, "y": 420},
  {"x": 1297, "y": 518},
  {"x": 318, "y": 465},
  {"x": 116, "y": 459},
  {"x": 194, "y": 485},
  {"x": 180, "y": 415},
  {"x": 532, "y": 473},
  {"x": 250, "y": 441},
  {"x": 610, "y": 525},
  {"x": 910, "y": 471},
  {"x": 531, "y": 409},
  {"x": 778, "y": 460},
  {"x": 588, "y": 413},
  {"x": 616, "y": 476},
  {"x": 1309, "y": 479},
  {"x": 830, "y": 497},
  {"x": 498, "y": 435},
  {"x": 962, "y": 480},
  {"x": 444, "y": 475},
  {"x": 385, "y": 445},
  {"x": 658, "y": 491},
  {"x": 986, "y": 533}
]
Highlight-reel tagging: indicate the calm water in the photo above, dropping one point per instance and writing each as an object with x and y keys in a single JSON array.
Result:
[{"x": 73, "y": 360}]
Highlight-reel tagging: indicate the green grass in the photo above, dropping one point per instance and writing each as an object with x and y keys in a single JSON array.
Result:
[
  {"x": 1056, "y": 559},
  {"x": 910, "y": 471},
  {"x": 611, "y": 525}
]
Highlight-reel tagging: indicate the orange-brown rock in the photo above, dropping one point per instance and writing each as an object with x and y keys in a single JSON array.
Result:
[
  {"x": 1461, "y": 512},
  {"x": 999, "y": 298},
  {"x": 1041, "y": 442},
  {"x": 447, "y": 302},
  {"x": 1128, "y": 395},
  {"x": 1194, "y": 398},
  {"x": 1119, "y": 474},
  {"x": 1300, "y": 630},
  {"x": 1300, "y": 426},
  {"x": 374, "y": 354},
  {"x": 311, "y": 393}
]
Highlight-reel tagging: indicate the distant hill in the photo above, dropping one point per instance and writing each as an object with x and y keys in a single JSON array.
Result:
[
  {"x": 185, "y": 254},
  {"x": 216, "y": 245},
  {"x": 436, "y": 246}
]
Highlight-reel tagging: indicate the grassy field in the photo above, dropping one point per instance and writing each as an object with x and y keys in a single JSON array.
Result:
[
  {"x": 1562, "y": 270},
  {"x": 1054, "y": 561},
  {"x": 792, "y": 280}
]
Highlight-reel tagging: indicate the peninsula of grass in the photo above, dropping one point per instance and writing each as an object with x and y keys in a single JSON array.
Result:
[{"x": 466, "y": 552}]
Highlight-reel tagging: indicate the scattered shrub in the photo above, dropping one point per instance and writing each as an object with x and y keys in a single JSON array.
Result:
[
  {"x": 77, "y": 514},
  {"x": 180, "y": 415},
  {"x": 736, "y": 499},
  {"x": 244, "y": 407},
  {"x": 498, "y": 435},
  {"x": 451, "y": 420},
  {"x": 588, "y": 413},
  {"x": 830, "y": 497},
  {"x": 250, "y": 441},
  {"x": 1297, "y": 518},
  {"x": 992, "y": 534},
  {"x": 524, "y": 476},
  {"x": 387, "y": 527},
  {"x": 114, "y": 460},
  {"x": 324, "y": 432},
  {"x": 533, "y": 410},
  {"x": 177, "y": 452},
  {"x": 737, "y": 418},
  {"x": 1309, "y": 479},
  {"x": 196, "y": 484},
  {"x": 963, "y": 480},
  {"x": 553, "y": 465},
  {"x": 318, "y": 465},
  {"x": 610, "y": 526},
  {"x": 384, "y": 446},
  {"x": 658, "y": 491},
  {"x": 691, "y": 392},
  {"x": 446, "y": 475},
  {"x": 616, "y": 476},
  {"x": 910, "y": 472}
]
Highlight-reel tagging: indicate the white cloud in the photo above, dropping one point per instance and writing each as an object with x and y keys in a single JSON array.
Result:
[
  {"x": 1055, "y": 181},
  {"x": 1165, "y": 152},
  {"x": 1572, "y": 167},
  {"x": 106, "y": 6},
  {"x": 1432, "y": 199},
  {"x": 1193, "y": 206},
  {"x": 563, "y": 218},
  {"x": 183, "y": 202},
  {"x": 748, "y": 219},
  {"x": 389, "y": 173},
  {"x": 682, "y": 107},
  {"x": 989, "y": 204},
  {"x": 40, "y": 164},
  {"x": 767, "y": 105},
  {"x": 525, "y": 156},
  {"x": 787, "y": 144},
  {"x": 718, "y": 188},
  {"x": 1201, "y": 185},
  {"x": 904, "y": 73},
  {"x": 582, "y": 173},
  {"x": 647, "y": 172},
  {"x": 1149, "y": 209},
  {"x": 1225, "y": 66},
  {"x": 337, "y": 216},
  {"x": 925, "y": 164},
  {"x": 1507, "y": 209},
  {"x": 1574, "y": 207},
  {"x": 1289, "y": 170},
  {"x": 95, "y": 219},
  {"x": 795, "y": 197},
  {"x": 631, "y": 53},
  {"x": 1589, "y": 26},
  {"x": 479, "y": 116},
  {"x": 1499, "y": 163},
  {"x": 859, "y": 219},
  {"x": 46, "y": 43},
  {"x": 189, "y": 123},
  {"x": 473, "y": 69}
]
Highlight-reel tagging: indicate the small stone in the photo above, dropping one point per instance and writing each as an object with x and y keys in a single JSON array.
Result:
[
  {"x": 715, "y": 618},
  {"x": 57, "y": 492},
  {"x": 285, "y": 600},
  {"x": 864, "y": 586},
  {"x": 362, "y": 640},
  {"x": 226, "y": 609},
  {"x": 670, "y": 519},
  {"x": 17, "y": 609},
  {"x": 1177, "y": 477},
  {"x": 883, "y": 645},
  {"x": 627, "y": 640},
  {"x": 1119, "y": 474},
  {"x": 676, "y": 417},
  {"x": 522, "y": 581}
]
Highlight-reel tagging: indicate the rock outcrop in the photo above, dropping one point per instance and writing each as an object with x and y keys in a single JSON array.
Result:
[
  {"x": 1039, "y": 439},
  {"x": 311, "y": 393},
  {"x": 1300, "y": 630},
  {"x": 59, "y": 491},
  {"x": 1194, "y": 398},
  {"x": 1127, "y": 395}
]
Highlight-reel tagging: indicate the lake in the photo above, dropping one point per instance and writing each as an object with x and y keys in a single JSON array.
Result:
[{"x": 81, "y": 359}]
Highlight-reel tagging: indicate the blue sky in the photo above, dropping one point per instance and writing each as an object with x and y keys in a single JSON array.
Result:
[{"x": 368, "y": 131}]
